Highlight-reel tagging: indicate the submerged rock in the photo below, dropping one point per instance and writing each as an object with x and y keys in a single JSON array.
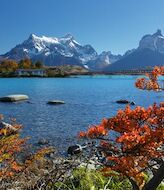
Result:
[
  {"x": 125, "y": 102},
  {"x": 43, "y": 141},
  {"x": 14, "y": 98},
  {"x": 55, "y": 102}
]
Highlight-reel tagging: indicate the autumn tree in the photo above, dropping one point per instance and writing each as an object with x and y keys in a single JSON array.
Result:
[
  {"x": 138, "y": 143},
  {"x": 17, "y": 160},
  {"x": 8, "y": 66},
  {"x": 23, "y": 166},
  {"x": 10, "y": 145},
  {"x": 25, "y": 64}
]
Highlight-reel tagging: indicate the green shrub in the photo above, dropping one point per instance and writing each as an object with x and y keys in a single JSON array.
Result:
[
  {"x": 160, "y": 187},
  {"x": 83, "y": 179}
]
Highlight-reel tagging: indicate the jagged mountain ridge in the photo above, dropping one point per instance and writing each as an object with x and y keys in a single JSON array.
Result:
[
  {"x": 67, "y": 51},
  {"x": 52, "y": 51},
  {"x": 56, "y": 51},
  {"x": 103, "y": 60}
]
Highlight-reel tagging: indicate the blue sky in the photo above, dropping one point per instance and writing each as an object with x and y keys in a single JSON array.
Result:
[{"x": 115, "y": 25}]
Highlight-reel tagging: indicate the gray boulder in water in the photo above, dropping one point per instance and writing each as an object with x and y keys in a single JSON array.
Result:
[{"x": 14, "y": 98}]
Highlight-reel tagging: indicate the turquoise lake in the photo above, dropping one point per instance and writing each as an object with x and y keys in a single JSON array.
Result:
[{"x": 88, "y": 99}]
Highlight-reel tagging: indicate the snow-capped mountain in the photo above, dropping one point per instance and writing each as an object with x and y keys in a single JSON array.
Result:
[
  {"x": 53, "y": 51},
  {"x": 66, "y": 50},
  {"x": 150, "y": 52}
]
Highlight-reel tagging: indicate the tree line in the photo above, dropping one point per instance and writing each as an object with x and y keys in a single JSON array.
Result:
[{"x": 10, "y": 66}]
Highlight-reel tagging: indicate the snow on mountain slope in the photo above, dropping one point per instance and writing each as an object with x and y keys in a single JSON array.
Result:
[
  {"x": 47, "y": 48},
  {"x": 59, "y": 51}
]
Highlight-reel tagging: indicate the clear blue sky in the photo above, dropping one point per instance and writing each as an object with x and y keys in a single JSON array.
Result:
[{"x": 115, "y": 25}]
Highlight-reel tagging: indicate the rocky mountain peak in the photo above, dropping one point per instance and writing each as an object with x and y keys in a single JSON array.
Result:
[
  {"x": 69, "y": 36},
  {"x": 32, "y": 36},
  {"x": 154, "y": 42},
  {"x": 53, "y": 51},
  {"x": 158, "y": 33}
]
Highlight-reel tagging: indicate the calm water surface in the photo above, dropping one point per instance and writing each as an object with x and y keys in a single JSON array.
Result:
[{"x": 88, "y": 99}]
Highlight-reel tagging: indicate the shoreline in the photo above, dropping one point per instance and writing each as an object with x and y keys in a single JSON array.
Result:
[{"x": 79, "y": 74}]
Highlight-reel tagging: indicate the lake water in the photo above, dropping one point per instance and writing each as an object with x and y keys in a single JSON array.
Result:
[{"x": 88, "y": 99}]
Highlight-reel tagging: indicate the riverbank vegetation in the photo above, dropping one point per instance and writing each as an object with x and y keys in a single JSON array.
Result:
[
  {"x": 8, "y": 67},
  {"x": 11, "y": 65},
  {"x": 28, "y": 68}
]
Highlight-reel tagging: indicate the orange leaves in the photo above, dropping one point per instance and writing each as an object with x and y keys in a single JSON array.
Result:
[
  {"x": 139, "y": 142},
  {"x": 157, "y": 71},
  {"x": 127, "y": 166},
  {"x": 8, "y": 66},
  {"x": 145, "y": 84},
  {"x": 10, "y": 145},
  {"x": 15, "y": 167},
  {"x": 82, "y": 134},
  {"x": 10, "y": 169},
  {"x": 128, "y": 120},
  {"x": 25, "y": 64},
  {"x": 138, "y": 129},
  {"x": 141, "y": 83},
  {"x": 95, "y": 131},
  {"x": 140, "y": 133},
  {"x": 152, "y": 82}
]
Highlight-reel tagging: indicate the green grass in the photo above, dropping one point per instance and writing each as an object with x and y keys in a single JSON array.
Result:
[{"x": 83, "y": 179}]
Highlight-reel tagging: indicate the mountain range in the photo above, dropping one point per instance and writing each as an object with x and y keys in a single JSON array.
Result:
[{"x": 66, "y": 50}]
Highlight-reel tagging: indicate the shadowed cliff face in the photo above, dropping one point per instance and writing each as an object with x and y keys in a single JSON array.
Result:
[{"x": 149, "y": 53}]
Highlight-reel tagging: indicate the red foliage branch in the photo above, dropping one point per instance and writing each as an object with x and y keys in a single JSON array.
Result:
[{"x": 152, "y": 82}]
